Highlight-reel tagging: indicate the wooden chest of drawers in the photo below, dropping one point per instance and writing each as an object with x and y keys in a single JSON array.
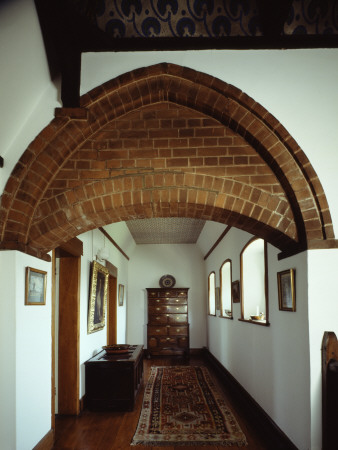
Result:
[{"x": 168, "y": 327}]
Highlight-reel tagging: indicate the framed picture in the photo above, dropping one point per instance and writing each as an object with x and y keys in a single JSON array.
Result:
[
  {"x": 217, "y": 298},
  {"x": 121, "y": 294},
  {"x": 97, "y": 297},
  {"x": 36, "y": 283},
  {"x": 286, "y": 290},
  {"x": 235, "y": 291}
]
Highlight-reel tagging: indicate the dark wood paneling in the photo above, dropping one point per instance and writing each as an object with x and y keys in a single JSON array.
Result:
[
  {"x": 111, "y": 311},
  {"x": 69, "y": 329},
  {"x": 74, "y": 247}
]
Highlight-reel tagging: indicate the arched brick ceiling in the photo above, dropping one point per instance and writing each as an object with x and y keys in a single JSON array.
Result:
[{"x": 164, "y": 141}]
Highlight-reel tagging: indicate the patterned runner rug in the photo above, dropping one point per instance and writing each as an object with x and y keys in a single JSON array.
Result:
[{"x": 183, "y": 406}]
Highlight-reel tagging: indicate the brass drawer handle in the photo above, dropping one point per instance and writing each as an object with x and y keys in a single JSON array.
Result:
[
  {"x": 168, "y": 339},
  {"x": 158, "y": 301},
  {"x": 157, "y": 309},
  {"x": 178, "y": 330},
  {"x": 157, "y": 331}
]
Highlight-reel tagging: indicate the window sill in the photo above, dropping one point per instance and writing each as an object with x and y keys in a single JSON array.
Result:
[
  {"x": 262, "y": 323},
  {"x": 226, "y": 317}
]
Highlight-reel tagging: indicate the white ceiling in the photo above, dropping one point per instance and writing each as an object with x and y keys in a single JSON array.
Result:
[{"x": 169, "y": 230}]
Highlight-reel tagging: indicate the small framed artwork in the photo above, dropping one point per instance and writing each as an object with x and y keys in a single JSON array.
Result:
[
  {"x": 97, "y": 297},
  {"x": 121, "y": 294},
  {"x": 36, "y": 283},
  {"x": 217, "y": 298},
  {"x": 235, "y": 291},
  {"x": 286, "y": 290}
]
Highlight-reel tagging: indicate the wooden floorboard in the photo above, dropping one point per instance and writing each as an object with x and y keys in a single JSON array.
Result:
[{"x": 115, "y": 430}]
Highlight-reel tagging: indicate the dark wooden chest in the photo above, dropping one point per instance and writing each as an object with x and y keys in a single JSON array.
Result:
[
  {"x": 113, "y": 381},
  {"x": 168, "y": 327}
]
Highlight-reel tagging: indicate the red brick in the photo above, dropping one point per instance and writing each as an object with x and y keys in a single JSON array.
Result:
[
  {"x": 177, "y": 162},
  {"x": 157, "y": 136}
]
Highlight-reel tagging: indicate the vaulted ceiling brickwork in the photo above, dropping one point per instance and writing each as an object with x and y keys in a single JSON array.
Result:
[{"x": 164, "y": 141}]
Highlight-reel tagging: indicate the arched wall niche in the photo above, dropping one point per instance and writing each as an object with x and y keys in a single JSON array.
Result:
[{"x": 164, "y": 141}]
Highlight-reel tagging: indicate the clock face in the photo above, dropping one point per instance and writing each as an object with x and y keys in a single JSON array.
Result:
[{"x": 167, "y": 281}]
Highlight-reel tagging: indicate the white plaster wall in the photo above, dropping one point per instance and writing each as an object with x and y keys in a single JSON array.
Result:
[
  {"x": 323, "y": 314},
  {"x": 271, "y": 363},
  {"x": 7, "y": 350},
  {"x": 26, "y": 345},
  {"x": 33, "y": 359},
  {"x": 148, "y": 263},
  {"x": 28, "y": 96},
  {"x": 92, "y": 343},
  {"x": 209, "y": 235}
]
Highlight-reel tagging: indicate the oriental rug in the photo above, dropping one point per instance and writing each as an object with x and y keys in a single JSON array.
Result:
[{"x": 182, "y": 405}]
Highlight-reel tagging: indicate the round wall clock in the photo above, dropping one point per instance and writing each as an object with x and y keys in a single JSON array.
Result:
[{"x": 167, "y": 281}]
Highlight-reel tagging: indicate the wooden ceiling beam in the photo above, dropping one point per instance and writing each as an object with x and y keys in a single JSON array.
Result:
[{"x": 67, "y": 34}]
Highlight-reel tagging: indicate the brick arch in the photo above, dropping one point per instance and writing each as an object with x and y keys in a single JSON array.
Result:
[
  {"x": 201, "y": 146},
  {"x": 185, "y": 195}
]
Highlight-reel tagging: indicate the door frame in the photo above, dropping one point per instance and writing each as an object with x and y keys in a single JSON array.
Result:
[
  {"x": 72, "y": 248},
  {"x": 112, "y": 310},
  {"x": 112, "y": 304}
]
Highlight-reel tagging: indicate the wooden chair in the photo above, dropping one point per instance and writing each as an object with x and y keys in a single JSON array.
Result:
[{"x": 329, "y": 390}]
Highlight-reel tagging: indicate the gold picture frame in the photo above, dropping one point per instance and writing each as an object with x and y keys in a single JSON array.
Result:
[
  {"x": 97, "y": 297},
  {"x": 121, "y": 294},
  {"x": 36, "y": 285},
  {"x": 286, "y": 290}
]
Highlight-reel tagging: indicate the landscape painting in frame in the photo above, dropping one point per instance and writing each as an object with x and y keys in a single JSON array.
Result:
[
  {"x": 97, "y": 297},
  {"x": 36, "y": 281}
]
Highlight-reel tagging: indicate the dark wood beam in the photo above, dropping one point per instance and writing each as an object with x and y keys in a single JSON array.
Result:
[
  {"x": 217, "y": 242},
  {"x": 107, "y": 235},
  {"x": 273, "y": 15},
  {"x": 68, "y": 33},
  {"x": 74, "y": 247}
]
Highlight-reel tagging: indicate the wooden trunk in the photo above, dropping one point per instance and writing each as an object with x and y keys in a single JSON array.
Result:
[{"x": 113, "y": 381}]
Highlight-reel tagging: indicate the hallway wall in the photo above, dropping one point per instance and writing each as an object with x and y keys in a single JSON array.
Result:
[
  {"x": 90, "y": 344},
  {"x": 28, "y": 95},
  {"x": 26, "y": 352},
  {"x": 147, "y": 265},
  {"x": 271, "y": 363}
]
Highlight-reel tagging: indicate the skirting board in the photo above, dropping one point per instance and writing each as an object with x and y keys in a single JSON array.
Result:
[
  {"x": 192, "y": 351},
  {"x": 250, "y": 408},
  {"x": 46, "y": 442}
]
